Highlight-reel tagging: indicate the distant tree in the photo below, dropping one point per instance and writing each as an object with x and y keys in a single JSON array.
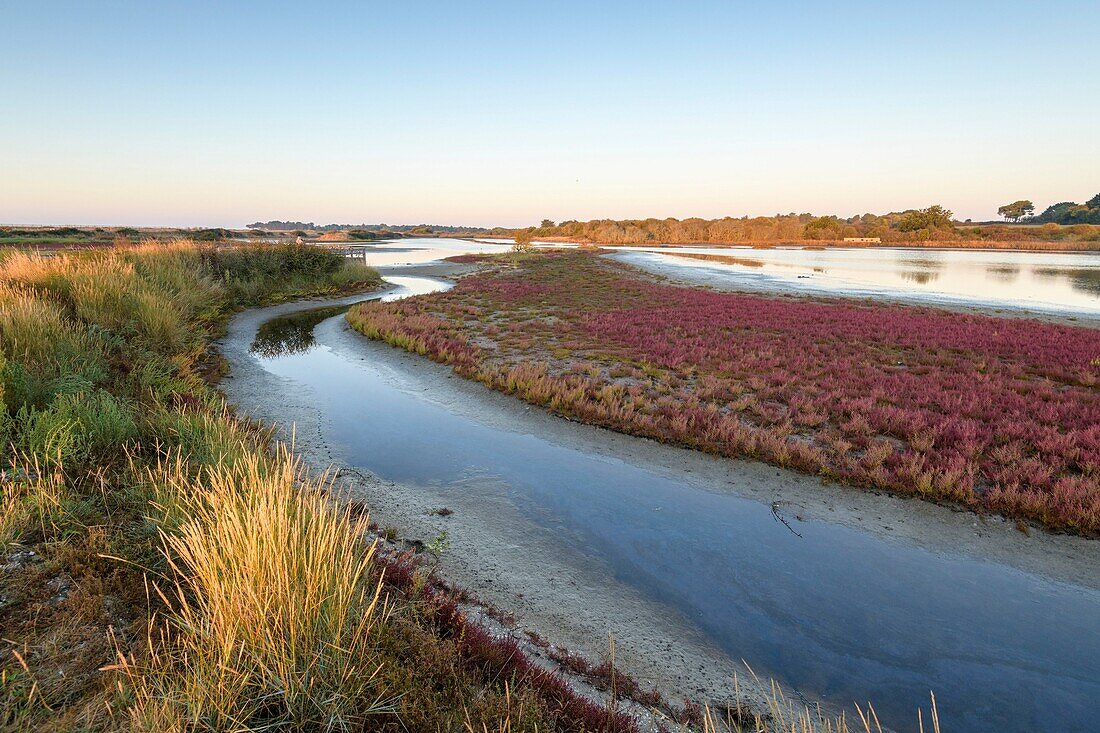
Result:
[
  {"x": 1069, "y": 212},
  {"x": 823, "y": 227},
  {"x": 547, "y": 224},
  {"x": 1016, "y": 210},
  {"x": 1079, "y": 214},
  {"x": 523, "y": 239},
  {"x": 926, "y": 220}
]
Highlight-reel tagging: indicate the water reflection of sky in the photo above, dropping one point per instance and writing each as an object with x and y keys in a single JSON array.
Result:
[
  {"x": 417, "y": 251},
  {"x": 1040, "y": 281}
]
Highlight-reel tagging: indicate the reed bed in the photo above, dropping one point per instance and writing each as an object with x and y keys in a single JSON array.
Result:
[{"x": 999, "y": 415}]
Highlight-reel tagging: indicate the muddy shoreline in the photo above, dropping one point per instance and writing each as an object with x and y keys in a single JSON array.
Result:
[{"x": 564, "y": 595}]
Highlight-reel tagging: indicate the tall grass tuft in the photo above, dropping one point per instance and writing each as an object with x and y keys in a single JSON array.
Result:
[
  {"x": 30, "y": 494},
  {"x": 274, "y": 611},
  {"x": 780, "y": 714}
]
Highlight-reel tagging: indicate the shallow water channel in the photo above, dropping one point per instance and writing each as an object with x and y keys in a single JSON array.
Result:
[{"x": 837, "y": 613}]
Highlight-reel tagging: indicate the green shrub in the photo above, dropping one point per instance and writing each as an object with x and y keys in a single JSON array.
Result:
[
  {"x": 46, "y": 352},
  {"x": 250, "y": 262},
  {"x": 76, "y": 429}
]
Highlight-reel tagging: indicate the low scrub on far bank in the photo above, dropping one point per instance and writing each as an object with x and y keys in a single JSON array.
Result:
[{"x": 992, "y": 414}]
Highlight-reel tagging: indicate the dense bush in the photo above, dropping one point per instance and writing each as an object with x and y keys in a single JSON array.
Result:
[{"x": 266, "y": 261}]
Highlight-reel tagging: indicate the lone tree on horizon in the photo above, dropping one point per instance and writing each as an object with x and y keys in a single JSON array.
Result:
[
  {"x": 523, "y": 239},
  {"x": 1016, "y": 210}
]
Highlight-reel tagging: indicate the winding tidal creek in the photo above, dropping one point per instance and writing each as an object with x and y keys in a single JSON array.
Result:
[{"x": 841, "y": 595}]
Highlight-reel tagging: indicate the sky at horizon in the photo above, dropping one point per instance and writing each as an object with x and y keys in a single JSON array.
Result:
[{"x": 505, "y": 113}]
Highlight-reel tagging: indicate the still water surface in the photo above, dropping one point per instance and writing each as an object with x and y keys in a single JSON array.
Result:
[
  {"x": 1043, "y": 282},
  {"x": 837, "y": 613},
  {"x": 1039, "y": 282}
]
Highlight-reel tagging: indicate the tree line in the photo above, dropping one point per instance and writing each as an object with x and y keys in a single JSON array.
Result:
[
  {"x": 929, "y": 224},
  {"x": 276, "y": 225},
  {"x": 1064, "y": 212}
]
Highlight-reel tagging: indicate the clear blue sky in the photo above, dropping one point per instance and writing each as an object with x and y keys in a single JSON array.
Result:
[{"x": 221, "y": 113}]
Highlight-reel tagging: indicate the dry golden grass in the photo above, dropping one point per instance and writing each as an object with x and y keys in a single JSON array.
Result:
[
  {"x": 34, "y": 328},
  {"x": 782, "y": 715},
  {"x": 31, "y": 493},
  {"x": 274, "y": 611}
]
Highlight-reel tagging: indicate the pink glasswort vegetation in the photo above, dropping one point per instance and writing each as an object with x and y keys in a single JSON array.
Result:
[
  {"x": 989, "y": 413},
  {"x": 499, "y": 657}
]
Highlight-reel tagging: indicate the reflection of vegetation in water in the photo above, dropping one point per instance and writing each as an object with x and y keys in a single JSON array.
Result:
[
  {"x": 1002, "y": 273},
  {"x": 1083, "y": 279},
  {"x": 721, "y": 259},
  {"x": 1086, "y": 280},
  {"x": 921, "y": 277},
  {"x": 927, "y": 263},
  {"x": 291, "y": 334},
  {"x": 920, "y": 270}
]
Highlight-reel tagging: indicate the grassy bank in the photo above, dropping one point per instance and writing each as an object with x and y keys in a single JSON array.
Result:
[
  {"x": 992, "y": 414},
  {"x": 52, "y": 239},
  {"x": 166, "y": 567},
  {"x": 111, "y": 439}
]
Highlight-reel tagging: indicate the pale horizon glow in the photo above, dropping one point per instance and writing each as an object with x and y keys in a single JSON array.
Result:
[{"x": 502, "y": 114}]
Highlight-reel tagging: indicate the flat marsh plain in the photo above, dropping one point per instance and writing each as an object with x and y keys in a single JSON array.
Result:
[{"x": 994, "y": 415}]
